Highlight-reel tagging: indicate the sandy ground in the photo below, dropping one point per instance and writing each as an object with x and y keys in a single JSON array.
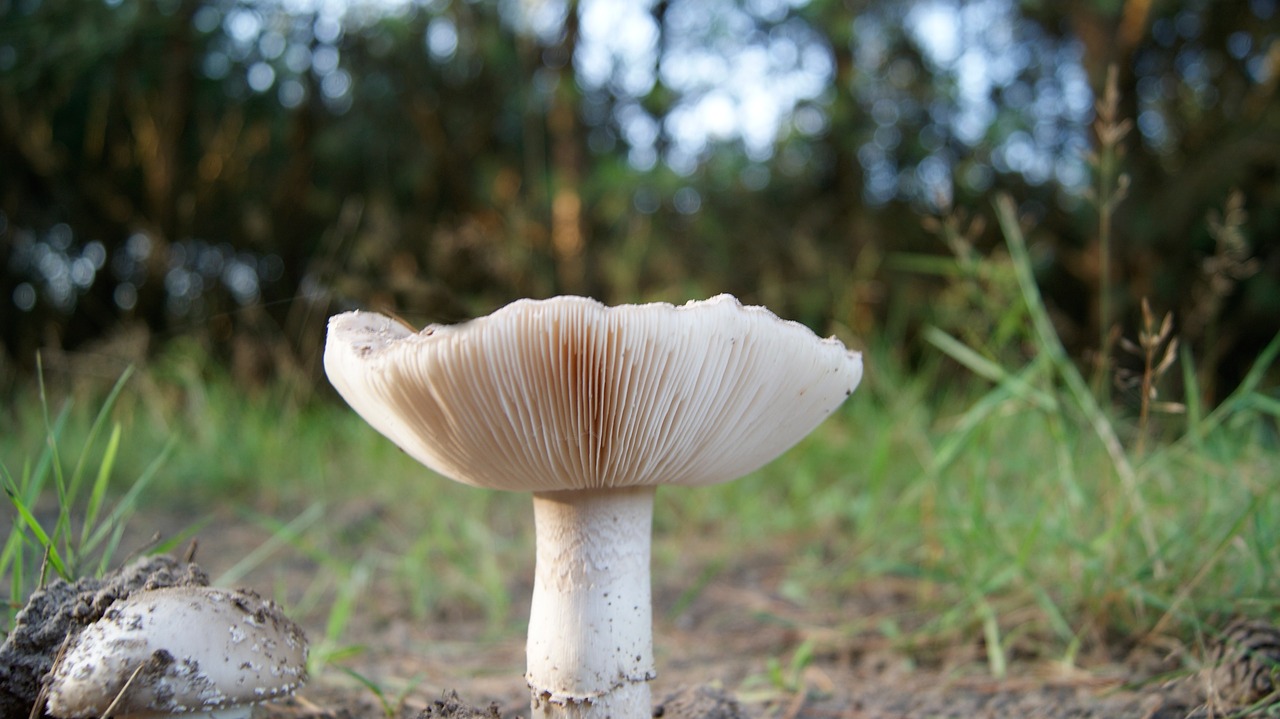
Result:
[
  {"x": 719, "y": 658},
  {"x": 717, "y": 666}
]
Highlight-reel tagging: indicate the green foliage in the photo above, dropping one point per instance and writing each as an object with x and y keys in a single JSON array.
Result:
[
  {"x": 998, "y": 498},
  {"x": 78, "y": 539},
  {"x": 790, "y": 679},
  {"x": 391, "y": 706},
  {"x": 1027, "y": 515},
  {"x": 1036, "y": 522},
  {"x": 373, "y": 172}
]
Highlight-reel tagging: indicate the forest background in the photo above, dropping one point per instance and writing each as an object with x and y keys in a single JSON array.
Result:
[
  {"x": 231, "y": 172},
  {"x": 1054, "y": 229}
]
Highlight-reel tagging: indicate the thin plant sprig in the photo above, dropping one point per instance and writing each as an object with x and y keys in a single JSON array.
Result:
[
  {"x": 1112, "y": 187},
  {"x": 1231, "y": 263},
  {"x": 1157, "y": 347}
]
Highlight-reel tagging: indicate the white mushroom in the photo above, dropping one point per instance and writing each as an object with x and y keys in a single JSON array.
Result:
[
  {"x": 179, "y": 652},
  {"x": 590, "y": 408}
]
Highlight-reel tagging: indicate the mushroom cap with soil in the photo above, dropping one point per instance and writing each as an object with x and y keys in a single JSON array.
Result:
[
  {"x": 590, "y": 408},
  {"x": 61, "y": 608},
  {"x": 181, "y": 651}
]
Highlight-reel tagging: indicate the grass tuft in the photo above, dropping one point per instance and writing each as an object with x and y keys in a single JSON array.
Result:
[{"x": 68, "y": 528}]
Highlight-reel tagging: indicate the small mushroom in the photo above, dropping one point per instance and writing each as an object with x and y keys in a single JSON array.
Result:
[
  {"x": 590, "y": 408},
  {"x": 179, "y": 652}
]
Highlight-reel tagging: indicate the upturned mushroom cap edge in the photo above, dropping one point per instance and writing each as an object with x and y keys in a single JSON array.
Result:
[{"x": 567, "y": 393}]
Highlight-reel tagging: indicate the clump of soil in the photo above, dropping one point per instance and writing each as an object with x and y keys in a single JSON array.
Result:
[
  {"x": 61, "y": 609},
  {"x": 697, "y": 702},
  {"x": 693, "y": 702},
  {"x": 450, "y": 706}
]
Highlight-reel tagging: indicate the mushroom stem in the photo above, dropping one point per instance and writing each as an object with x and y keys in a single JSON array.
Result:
[{"x": 590, "y": 650}]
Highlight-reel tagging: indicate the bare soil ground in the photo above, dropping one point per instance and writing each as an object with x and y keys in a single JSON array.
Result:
[
  {"x": 714, "y": 658},
  {"x": 716, "y": 667}
]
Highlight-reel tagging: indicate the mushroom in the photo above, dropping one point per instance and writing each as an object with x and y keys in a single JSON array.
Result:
[
  {"x": 179, "y": 651},
  {"x": 590, "y": 408}
]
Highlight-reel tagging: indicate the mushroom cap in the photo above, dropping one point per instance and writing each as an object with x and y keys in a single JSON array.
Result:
[
  {"x": 566, "y": 393},
  {"x": 200, "y": 649}
]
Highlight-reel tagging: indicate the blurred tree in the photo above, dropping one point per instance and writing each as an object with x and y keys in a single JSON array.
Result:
[{"x": 235, "y": 170}]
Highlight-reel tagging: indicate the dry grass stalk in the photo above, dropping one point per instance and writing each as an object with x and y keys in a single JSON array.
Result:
[
  {"x": 983, "y": 291},
  {"x": 958, "y": 231},
  {"x": 1230, "y": 264},
  {"x": 1113, "y": 186},
  {"x": 1157, "y": 346}
]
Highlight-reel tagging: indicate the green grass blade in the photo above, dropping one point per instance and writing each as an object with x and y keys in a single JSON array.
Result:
[
  {"x": 373, "y": 687},
  {"x": 923, "y": 264},
  {"x": 344, "y": 604},
  {"x": 41, "y": 536},
  {"x": 1053, "y": 613},
  {"x": 99, "y": 421},
  {"x": 987, "y": 369},
  {"x": 124, "y": 506},
  {"x": 997, "y": 660},
  {"x": 955, "y": 442},
  {"x": 1259, "y": 369},
  {"x": 1015, "y": 385},
  {"x": 11, "y": 564},
  {"x": 340, "y": 614},
  {"x": 1265, "y": 404},
  {"x": 282, "y": 535},
  {"x": 99, "y": 489},
  {"x": 51, "y": 442},
  {"x": 33, "y": 481},
  {"x": 1066, "y": 472},
  {"x": 1235, "y": 401},
  {"x": 169, "y": 545},
  {"x": 1188, "y": 585},
  {"x": 109, "y": 549},
  {"x": 1049, "y": 343}
]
